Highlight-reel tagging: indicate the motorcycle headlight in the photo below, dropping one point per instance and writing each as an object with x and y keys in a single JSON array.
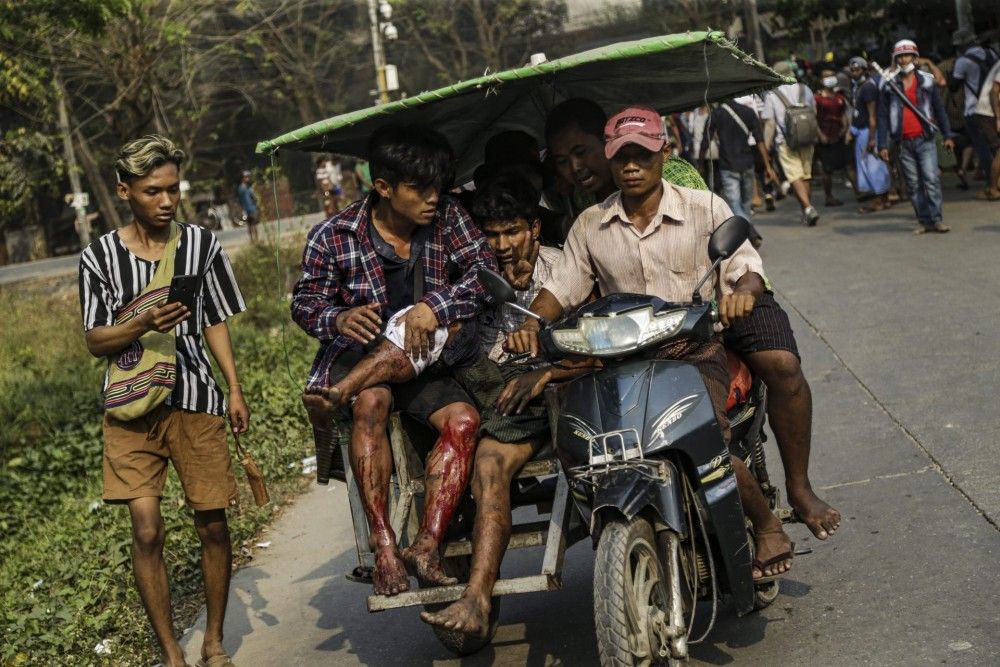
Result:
[{"x": 608, "y": 336}]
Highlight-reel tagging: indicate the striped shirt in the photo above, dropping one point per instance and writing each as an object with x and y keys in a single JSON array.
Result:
[
  {"x": 111, "y": 277},
  {"x": 666, "y": 259}
]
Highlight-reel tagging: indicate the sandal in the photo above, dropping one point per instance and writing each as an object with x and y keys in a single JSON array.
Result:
[
  {"x": 986, "y": 195},
  {"x": 789, "y": 554},
  {"x": 221, "y": 660}
]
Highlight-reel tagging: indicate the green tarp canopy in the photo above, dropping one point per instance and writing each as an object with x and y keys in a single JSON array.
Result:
[{"x": 670, "y": 73}]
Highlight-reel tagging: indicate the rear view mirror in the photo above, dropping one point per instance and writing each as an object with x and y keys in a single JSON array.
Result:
[
  {"x": 728, "y": 237},
  {"x": 496, "y": 285}
]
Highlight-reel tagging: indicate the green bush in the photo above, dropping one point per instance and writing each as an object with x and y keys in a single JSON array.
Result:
[{"x": 65, "y": 574}]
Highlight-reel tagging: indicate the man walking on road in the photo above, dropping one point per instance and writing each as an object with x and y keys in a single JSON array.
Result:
[
  {"x": 740, "y": 136},
  {"x": 987, "y": 117},
  {"x": 970, "y": 74},
  {"x": 248, "y": 200},
  {"x": 796, "y": 161},
  {"x": 872, "y": 173},
  {"x": 124, "y": 283},
  {"x": 831, "y": 116},
  {"x": 915, "y": 134}
]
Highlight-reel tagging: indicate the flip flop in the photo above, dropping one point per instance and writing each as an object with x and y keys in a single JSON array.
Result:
[
  {"x": 788, "y": 554},
  {"x": 221, "y": 660},
  {"x": 986, "y": 195}
]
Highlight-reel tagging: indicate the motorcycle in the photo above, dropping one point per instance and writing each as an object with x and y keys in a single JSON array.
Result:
[{"x": 648, "y": 470}]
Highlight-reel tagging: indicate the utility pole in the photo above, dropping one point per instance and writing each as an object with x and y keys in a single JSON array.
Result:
[
  {"x": 963, "y": 11},
  {"x": 752, "y": 28},
  {"x": 82, "y": 226},
  {"x": 378, "y": 52}
]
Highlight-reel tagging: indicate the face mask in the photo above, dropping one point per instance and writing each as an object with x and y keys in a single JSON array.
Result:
[
  {"x": 830, "y": 82},
  {"x": 909, "y": 67}
]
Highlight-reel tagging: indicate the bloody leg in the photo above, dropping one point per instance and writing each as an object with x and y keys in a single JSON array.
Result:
[
  {"x": 447, "y": 473},
  {"x": 371, "y": 461}
]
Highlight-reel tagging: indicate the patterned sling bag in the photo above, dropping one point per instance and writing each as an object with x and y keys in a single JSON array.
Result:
[{"x": 142, "y": 376}]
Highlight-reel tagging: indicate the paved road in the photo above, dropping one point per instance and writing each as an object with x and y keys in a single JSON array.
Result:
[
  {"x": 230, "y": 238},
  {"x": 898, "y": 340}
]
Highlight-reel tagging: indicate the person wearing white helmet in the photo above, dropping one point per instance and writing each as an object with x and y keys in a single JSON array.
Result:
[{"x": 914, "y": 133}]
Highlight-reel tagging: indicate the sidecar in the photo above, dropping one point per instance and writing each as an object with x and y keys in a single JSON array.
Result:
[{"x": 540, "y": 488}]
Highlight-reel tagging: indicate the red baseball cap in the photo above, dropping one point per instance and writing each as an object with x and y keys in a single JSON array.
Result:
[{"x": 634, "y": 125}]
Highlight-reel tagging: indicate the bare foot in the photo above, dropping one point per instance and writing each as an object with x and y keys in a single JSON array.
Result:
[
  {"x": 316, "y": 400},
  {"x": 469, "y": 614},
  {"x": 821, "y": 519},
  {"x": 390, "y": 573},
  {"x": 210, "y": 649},
  {"x": 774, "y": 554},
  {"x": 329, "y": 399},
  {"x": 424, "y": 561},
  {"x": 337, "y": 397}
]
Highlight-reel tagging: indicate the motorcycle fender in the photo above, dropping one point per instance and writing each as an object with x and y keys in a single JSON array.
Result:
[{"x": 630, "y": 492}]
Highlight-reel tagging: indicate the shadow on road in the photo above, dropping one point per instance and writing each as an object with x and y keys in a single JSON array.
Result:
[
  {"x": 878, "y": 228},
  {"x": 529, "y": 624}
]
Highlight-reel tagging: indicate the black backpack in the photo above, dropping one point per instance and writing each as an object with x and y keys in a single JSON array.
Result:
[{"x": 801, "y": 126}]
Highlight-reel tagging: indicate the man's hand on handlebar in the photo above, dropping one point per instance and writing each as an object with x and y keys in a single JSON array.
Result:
[
  {"x": 736, "y": 305},
  {"x": 525, "y": 339}
]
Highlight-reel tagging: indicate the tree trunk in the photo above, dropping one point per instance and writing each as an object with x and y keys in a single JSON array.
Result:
[{"x": 98, "y": 185}]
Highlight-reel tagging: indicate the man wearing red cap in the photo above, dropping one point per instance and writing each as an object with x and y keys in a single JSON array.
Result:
[
  {"x": 649, "y": 238},
  {"x": 574, "y": 131},
  {"x": 914, "y": 133}
]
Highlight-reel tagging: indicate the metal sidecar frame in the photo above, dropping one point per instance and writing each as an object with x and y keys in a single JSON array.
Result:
[{"x": 562, "y": 528}]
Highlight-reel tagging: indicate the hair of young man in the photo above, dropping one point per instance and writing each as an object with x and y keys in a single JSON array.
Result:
[
  {"x": 510, "y": 147},
  {"x": 139, "y": 157},
  {"x": 576, "y": 112},
  {"x": 412, "y": 154},
  {"x": 505, "y": 197}
]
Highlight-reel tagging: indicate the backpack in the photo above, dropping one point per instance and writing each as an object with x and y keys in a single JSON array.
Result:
[
  {"x": 801, "y": 126},
  {"x": 984, "y": 65}
]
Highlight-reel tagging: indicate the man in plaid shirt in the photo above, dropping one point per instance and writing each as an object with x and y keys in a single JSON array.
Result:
[{"x": 404, "y": 247}]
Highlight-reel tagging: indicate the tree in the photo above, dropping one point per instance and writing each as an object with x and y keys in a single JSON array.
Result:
[
  {"x": 30, "y": 164},
  {"x": 461, "y": 39},
  {"x": 304, "y": 53}
]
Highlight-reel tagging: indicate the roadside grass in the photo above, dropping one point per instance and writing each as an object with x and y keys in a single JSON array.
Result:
[{"x": 66, "y": 590}]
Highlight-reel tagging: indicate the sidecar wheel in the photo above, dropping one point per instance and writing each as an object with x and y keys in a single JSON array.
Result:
[
  {"x": 631, "y": 596},
  {"x": 460, "y": 643},
  {"x": 765, "y": 594}
]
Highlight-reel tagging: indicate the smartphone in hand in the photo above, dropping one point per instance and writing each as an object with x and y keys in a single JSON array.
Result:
[{"x": 184, "y": 289}]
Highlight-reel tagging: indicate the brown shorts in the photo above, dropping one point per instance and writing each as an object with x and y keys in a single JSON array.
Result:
[{"x": 136, "y": 454}]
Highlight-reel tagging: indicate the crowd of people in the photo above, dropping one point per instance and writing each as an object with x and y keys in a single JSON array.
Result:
[
  {"x": 887, "y": 132},
  {"x": 390, "y": 290}
]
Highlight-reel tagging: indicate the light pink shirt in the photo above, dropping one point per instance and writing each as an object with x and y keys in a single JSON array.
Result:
[{"x": 665, "y": 260}]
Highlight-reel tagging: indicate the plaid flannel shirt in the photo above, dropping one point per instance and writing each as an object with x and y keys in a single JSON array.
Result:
[{"x": 340, "y": 270}]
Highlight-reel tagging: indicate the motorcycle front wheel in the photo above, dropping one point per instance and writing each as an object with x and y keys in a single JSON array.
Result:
[{"x": 632, "y": 598}]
